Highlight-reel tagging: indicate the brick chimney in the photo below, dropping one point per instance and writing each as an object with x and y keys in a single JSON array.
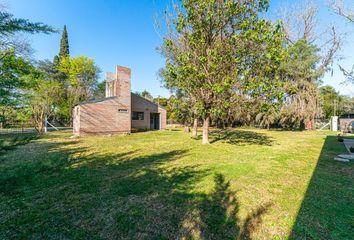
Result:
[
  {"x": 123, "y": 85},
  {"x": 119, "y": 84}
]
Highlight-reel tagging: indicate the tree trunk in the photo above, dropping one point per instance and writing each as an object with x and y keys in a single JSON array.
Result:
[
  {"x": 206, "y": 130},
  {"x": 186, "y": 129},
  {"x": 302, "y": 125},
  {"x": 195, "y": 128},
  {"x": 313, "y": 124}
]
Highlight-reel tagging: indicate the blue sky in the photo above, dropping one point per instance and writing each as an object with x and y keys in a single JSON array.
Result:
[{"x": 122, "y": 32}]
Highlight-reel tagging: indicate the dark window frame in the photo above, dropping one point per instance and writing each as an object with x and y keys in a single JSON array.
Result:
[{"x": 138, "y": 116}]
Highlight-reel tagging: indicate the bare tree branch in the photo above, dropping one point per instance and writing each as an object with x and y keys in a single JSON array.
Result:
[
  {"x": 339, "y": 8},
  {"x": 300, "y": 22}
]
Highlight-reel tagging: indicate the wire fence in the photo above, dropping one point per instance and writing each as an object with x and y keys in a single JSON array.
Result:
[
  {"x": 323, "y": 124},
  {"x": 32, "y": 130}
]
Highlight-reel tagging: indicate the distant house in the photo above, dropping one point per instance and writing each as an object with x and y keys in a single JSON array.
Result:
[
  {"x": 120, "y": 112},
  {"x": 345, "y": 120}
]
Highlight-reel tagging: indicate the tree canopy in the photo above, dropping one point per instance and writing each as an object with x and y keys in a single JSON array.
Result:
[
  {"x": 210, "y": 53},
  {"x": 10, "y": 25}
]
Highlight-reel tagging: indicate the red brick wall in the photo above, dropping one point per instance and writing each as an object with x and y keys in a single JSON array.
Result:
[
  {"x": 140, "y": 104},
  {"x": 104, "y": 118}
]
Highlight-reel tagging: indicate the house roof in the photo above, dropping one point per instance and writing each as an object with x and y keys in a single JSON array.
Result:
[
  {"x": 147, "y": 100},
  {"x": 110, "y": 98},
  {"x": 96, "y": 100}
]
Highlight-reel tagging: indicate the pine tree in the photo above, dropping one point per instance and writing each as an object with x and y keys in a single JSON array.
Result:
[
  {"x": 64, "y": 44},
  {"x": 56, "y": 60},
  {"x": 9, "y": 25}
]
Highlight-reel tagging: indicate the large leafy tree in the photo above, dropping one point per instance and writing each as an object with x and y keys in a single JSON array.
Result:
[
  {"x": 306, "y": 64},
  {"x": 43, "y": 95},
  {"x": 302, "y": 78},
  {"x": 259, "y": 89},
  {"x": 12, "y": 68},
  {"x": 82, "y": 75},
  {"x": 209, "y": 54}
]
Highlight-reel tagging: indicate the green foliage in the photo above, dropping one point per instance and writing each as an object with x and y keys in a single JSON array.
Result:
[
  {"x": 301, "y": 63},
  {"x": 100, "y": 91},
  {"x": 44, "y": 96},
  {"x": 179, "y": 109},
  {"x": 10, "y": 25},
  {"x": 165, "y": 103},
  {"x": 330, "y": 101},
  {"x": 12, "y": 67},
  {"x": 56, "y": 60},
  {"x": 147, "y": 95},
  {"x": 334, "y": 104},
  {"x": 81, "y": 71},
  {"x": 82, "y": 75},
  {"x": 12, "y": 70},
  {"x": 48, "y": 90},
  {"x": 162, "y": 101},
  {"x": 301, "y": 77},
  {"x": 64, "y": 45},
  {"x": 223, "y": 49}
]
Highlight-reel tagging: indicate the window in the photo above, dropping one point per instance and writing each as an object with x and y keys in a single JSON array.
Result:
[
  {"x": 138, "y": 116},
  {"x": 123, "y": 110}
]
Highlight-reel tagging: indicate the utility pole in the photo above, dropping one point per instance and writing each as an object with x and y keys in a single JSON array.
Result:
[{"x": 335, "y": 107}]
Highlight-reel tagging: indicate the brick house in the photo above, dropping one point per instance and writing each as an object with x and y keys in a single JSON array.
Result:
[
  {"x": 345, "y": 120},
  {"x": 120, "y": 112}
]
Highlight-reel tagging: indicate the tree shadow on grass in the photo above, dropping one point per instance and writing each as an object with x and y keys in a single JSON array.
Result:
[
  {"x": 327, "y": 209},
  {"x": 240, "y": 137},
  {"x": 20, "y": 170},
  {"x": 11, "y": 141},
  {"x": 68, "y": 191},
  {"x": 217, "y": 216}
]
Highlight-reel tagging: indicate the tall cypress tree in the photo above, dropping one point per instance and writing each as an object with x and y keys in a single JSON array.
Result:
[
  {"x": 64, "y": 44},
  {"x": 56, "y": 60}
]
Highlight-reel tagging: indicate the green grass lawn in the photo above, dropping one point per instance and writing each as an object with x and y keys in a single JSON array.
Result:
[{"x": 247, "y": 184}]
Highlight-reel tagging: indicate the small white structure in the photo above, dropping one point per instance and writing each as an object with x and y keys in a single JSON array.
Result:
[{"x": 334, "y": 123}]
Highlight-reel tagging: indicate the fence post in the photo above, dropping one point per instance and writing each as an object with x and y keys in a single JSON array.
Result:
[{"x": 45, "y": 124}]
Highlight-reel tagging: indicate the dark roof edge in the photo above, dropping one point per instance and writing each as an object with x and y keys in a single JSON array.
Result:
[
  {"x": 96, "y": 100},
  {"x": 109, "y": 98},
  {"x": 148, "y": 100}
]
